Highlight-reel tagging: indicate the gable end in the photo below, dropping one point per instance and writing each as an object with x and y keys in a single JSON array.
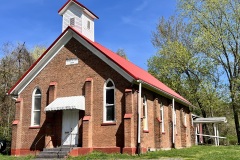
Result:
[{"x": 53, "y": 50}]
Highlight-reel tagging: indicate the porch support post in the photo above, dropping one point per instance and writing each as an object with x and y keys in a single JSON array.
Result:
[
  {"x": 196, "y": 132},
  {"x": 87, "y": 119},
  {"x": 215, "y": 133}
]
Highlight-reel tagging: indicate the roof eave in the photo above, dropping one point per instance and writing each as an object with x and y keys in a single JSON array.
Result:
[{"x": 162, "y": 92}]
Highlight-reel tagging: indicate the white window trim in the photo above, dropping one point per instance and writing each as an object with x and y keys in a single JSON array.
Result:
[
  {"x": 33, "y": 105},
  {"x": 162, "y": 116},
  {"x": 145, "y": 118},
  {"x": 104, "y": 102}
]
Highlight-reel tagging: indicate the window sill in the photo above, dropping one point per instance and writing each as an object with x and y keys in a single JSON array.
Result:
[
  {"x": 128, "y": 116},
  {"x": 86, "y": 118},
  {"x": 15, "y": 122},
  {"x": 34, "y": 127},
  {"x": 145, "y": 131},
  {"x": 159, "y": 120},
  {"x": 163, "y": 132},
  {"x": 108, "y": 123}
]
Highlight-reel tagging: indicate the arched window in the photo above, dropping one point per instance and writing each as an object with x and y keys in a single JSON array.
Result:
[
  {"x": 145, "y": 114},
  {"x": 36, "y": 107},
  {"x": 109, "y": 101},
  {"x": 162, "y": 116}
]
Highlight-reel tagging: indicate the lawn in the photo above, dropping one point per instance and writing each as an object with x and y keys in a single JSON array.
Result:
[{"x": 193, "y": 153}]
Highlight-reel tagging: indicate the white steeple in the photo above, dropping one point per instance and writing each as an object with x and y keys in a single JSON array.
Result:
[{"x": 78, "y": 17}]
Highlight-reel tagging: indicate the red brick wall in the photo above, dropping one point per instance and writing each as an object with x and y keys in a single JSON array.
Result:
[
  {"x": 177, "y": 127},
  {"x": 71, "y": 81},
  {"x": 147, "y": 137},
  {"x": 166, "y": 134}
]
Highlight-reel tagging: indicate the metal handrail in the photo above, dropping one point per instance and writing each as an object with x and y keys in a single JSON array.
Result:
[
  {"x": 39, "y": 140},
  {"x": 64, "y": 140},
  {"x": 70, "y": 133}
]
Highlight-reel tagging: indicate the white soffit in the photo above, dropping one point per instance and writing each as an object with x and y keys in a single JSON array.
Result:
[{"x": 66, "y": 103}]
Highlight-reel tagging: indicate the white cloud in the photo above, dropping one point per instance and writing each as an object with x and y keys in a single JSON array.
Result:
[
  {"x": 126, "y": 19},
  {"x": 141, "y": 6}
]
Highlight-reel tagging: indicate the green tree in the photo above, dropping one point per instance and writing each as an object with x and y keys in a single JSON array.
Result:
[
  {"x": 180, "y": 65},
  {"x": 37, "y": 51},
  {"x": 216, "y": 33},
  {"x": 16, "y": 60}
]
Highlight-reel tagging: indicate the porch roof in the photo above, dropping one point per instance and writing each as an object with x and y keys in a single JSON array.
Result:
[
  {"x": 211, "y": 120},
  {"x": 65, "y": 103}
]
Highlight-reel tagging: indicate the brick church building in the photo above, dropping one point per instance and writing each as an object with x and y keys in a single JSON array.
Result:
[{"x": 82, "y": 95}]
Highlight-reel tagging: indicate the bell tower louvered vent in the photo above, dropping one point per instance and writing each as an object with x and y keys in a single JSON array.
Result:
[{"x": 72, "y": 22}]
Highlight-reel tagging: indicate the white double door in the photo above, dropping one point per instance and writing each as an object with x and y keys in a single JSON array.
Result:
[{"x": 70, "y": 127}]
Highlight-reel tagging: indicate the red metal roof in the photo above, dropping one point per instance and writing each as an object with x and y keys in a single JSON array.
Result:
[
  {"x": 133, "y": 70},
  {"x": 136, "y": 72},
  {"x": 79, "y": 4}
]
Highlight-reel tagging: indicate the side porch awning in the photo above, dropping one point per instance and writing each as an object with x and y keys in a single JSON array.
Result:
[
  {"x": 211, "y": 120},
  {"x": 65, "y": 103},
  {"x": 198, "y": 121}
]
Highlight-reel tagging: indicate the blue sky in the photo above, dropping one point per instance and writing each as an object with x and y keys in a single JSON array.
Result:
[{"x": 125, "y": 24}]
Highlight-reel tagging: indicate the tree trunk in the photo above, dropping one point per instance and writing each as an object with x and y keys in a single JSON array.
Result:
[
  {"x": 204, "y": 125},
  {"x": 235, "y": 113}
]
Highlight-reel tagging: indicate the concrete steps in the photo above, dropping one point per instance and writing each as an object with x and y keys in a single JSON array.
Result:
[{"x": 52, "y": 153}]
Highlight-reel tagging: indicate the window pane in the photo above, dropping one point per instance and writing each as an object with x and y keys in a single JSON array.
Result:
[
  {"x": 161, "y": 113},
  {"x": 110, "y": 96},
  {"x": 38, "y": 91},
  {"x": 88, "y": 24},
  {"x": 37, "y": 105},
  {"x": 36, "y": 118},
  {"x": 109, "y": 84},
  {"x": 110, "y": 113},
  {"x": 144, "y": 110}
]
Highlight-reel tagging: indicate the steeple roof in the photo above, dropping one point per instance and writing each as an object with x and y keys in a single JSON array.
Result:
[{"x": 69, "y": 2}]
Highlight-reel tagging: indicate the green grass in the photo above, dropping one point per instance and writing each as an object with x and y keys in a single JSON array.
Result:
[
  {"x": 6, "y": 157},
  {"x": 193, "y": 153}
]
